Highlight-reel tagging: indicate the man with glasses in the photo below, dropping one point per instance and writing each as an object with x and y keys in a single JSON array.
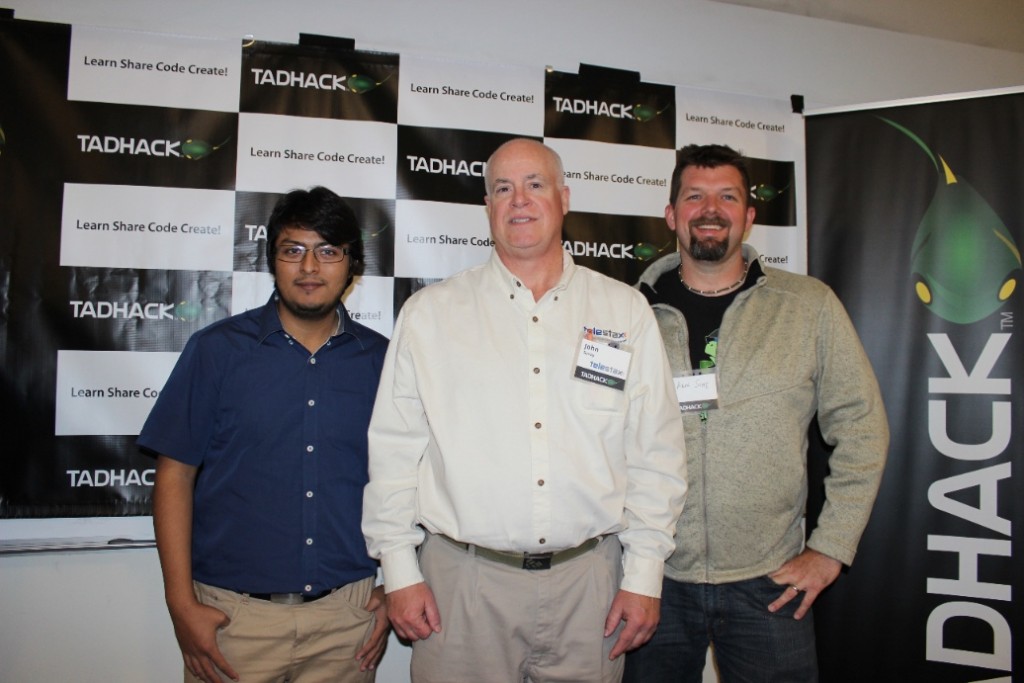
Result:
[{"x": 260, "y": 436}]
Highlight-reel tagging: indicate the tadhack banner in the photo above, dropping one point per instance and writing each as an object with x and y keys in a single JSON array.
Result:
[
  {"x": 138, "y": 171},
  {"x": 916, "y": 218}
]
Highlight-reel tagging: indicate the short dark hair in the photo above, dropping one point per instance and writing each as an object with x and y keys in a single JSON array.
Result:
[
  {"x": 325, "y": 213},
  {"x": 708, "y": 156}
]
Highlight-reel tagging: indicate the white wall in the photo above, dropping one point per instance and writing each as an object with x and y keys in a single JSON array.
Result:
[
  {"x": 678, "y": 42},
  {"x": 99, "y": 615}
]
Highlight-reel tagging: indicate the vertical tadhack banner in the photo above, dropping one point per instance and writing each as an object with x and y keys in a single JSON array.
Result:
[{"x": 916, "y": 219}]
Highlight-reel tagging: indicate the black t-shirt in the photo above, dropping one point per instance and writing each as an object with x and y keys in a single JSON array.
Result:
[{"x": 703, "y": 313}]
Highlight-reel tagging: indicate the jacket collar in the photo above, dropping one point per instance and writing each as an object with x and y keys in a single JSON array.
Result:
[{"x": 668, "y": 262}]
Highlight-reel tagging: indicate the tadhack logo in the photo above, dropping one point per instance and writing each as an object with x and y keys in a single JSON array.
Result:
[
  {"x": 637, "y": 251},
  {"x": 964, "y": 261},
  {"x": 185, "y": 311},
  {"x": 354, "y": 83},
  {"x": 458, "y": 167},
  {"x": 191, "y": 149},
  {"x": 616, "y": 110},
  {"x": 966, "y": 265}
]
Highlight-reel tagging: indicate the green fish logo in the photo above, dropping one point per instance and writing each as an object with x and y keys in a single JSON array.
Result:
[
  {"x": 361, "y": 83},
  {"x": 964, "y": 261},
  {"x": 645, "y": 251},
  {"x": 193, "y": 149},
  {"x": 369, "y": 235},
  {"x": 645, "y": 112},
  {"x": 188, "y": 310},
  {"x": 765, "y": 192}
]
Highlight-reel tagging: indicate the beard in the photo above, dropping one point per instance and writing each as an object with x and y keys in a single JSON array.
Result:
[
  {"x": 709, "y": 248},
  {"x": 306, "y": 311}
]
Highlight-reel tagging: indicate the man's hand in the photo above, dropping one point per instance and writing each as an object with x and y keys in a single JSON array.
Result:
[
  {"x": 808, "y": 573},
  {"x": 369, "y": 655},
  {"x": 195, "y": 627},
  {"x": 413, "y": 612},
  {"x": 641, "y": 614},
  {"x": 195, "y": 624}
]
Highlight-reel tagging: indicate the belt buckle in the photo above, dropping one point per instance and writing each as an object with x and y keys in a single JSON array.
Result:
[
  {"x": 286, "y": 598},
  {"x": 535, "y": 561}
]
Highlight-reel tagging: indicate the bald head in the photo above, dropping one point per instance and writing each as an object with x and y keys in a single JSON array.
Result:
[{"x": 518, "y": 147}]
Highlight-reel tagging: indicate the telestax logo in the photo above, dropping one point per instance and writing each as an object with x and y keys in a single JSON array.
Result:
[
  {"x": 457, "y": 167},
  {"x": 190, "y": 148},
  {"x": 601, "y": 333}
]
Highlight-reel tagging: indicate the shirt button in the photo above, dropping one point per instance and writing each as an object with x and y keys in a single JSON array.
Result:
[
  {"x": 536, "y": 371},
  {"x": 311, "y": 403},
  {"x": 535, "y": 318},
  {"x": 312, "y": 361},
  {"x": 536, "y": 425},
  {"x": 309, "y": 449},
  {"x": 308, "y": 588},
  {"x": 540, "y": 482},
  {"x": 309, "y": 541},
  {"x": 309, "y": 494},
  {"x": 543, "y": 541}
]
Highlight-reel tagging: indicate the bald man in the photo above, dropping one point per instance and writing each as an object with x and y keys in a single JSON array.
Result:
[{"x": 526, "y": 439}]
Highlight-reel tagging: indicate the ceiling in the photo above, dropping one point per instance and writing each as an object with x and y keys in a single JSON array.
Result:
[{"x": 996, "y": 24}]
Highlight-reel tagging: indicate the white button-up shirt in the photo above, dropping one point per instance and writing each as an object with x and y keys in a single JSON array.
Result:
[{"x": 480, "y": 431}]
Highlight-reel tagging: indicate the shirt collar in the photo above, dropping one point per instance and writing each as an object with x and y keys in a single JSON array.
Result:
[{"x": 512, "y": 283}]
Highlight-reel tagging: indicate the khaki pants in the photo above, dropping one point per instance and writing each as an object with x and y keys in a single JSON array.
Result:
[
  {"x": 503, "y": 624},
  {"x": 307, "y": 643}
]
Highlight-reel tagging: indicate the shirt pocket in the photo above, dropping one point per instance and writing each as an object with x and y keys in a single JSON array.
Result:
[
  {"x": 344, "y": 425},
  {"x": 599, "y": 399}
]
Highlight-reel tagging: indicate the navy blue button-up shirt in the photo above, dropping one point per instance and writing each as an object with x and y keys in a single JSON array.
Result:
[{"x": 279, "y": 437}]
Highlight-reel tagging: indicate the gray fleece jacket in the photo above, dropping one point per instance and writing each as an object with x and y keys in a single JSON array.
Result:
[{"x": 786, "y": 351}]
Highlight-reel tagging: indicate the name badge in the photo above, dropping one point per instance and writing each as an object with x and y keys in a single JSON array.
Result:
[
  {"x": 604, "y": 363},
  {"x": 697, "y": 391}
]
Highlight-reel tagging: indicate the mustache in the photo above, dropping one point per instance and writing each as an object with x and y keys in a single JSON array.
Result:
[{"x": 718, "y": 221}]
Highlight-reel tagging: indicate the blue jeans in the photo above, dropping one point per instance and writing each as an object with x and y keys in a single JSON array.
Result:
[{"x": 752, "y": 645}]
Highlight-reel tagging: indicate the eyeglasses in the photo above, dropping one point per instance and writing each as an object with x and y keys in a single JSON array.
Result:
[{"x": 325, "y": 253}]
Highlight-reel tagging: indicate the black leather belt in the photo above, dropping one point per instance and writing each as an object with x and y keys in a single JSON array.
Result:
[
  {"x": 528, "y": 561},
  {"x": 290, "y": 598}
]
